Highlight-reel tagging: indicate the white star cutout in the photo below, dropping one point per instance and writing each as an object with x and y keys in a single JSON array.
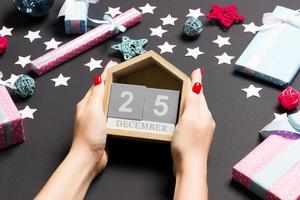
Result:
[
  {"x": 158, "y": 31},
  {"x": 5, "y": 31},
  {"x": 52, "y": 44},
  {"x": 195, "y": 13},
  {"x": 147, "y": 8},
  {"x": 221, "y": 41},
  {"x": 251, "y": 27},
  {"x": 252, "y": 91},
  {"x": 280, "y": 116},
  {"x": 61, "y": 80},
  {"x": 224, "y": 58},
  {"x": 23, "y": 61},
  {"x": 27, "y": 112},
  {"x": 113, "y": 11},
  {"x": 32, "y": 35},
  {"x": 94, "y": 64},
  {"x": 194, "y": 52},
  {"x": 168, "y": 20},
  {"x": 166, "y": 47}
]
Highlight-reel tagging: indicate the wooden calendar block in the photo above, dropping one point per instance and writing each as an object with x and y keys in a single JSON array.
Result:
[
  {"x": 152, "y": 71},
  {"x": 126, "y": 101},
  {"x": 161, "y": 105}
]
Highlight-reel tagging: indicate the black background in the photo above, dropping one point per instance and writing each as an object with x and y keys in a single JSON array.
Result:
[{"x": 136, "y": 170}]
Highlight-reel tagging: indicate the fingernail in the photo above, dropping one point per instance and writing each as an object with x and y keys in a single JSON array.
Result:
[
  {"x": 97, "y": 80},
  {"x": 202, "y": 71},
  {"x": 197, "y": 87}
]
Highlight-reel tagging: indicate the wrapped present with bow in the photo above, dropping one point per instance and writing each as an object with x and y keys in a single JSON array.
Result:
[
  {"x": 11, "y": 123},
  {"x": 108, "y": 27},
  {"x": 272, "y": 169},
  {"x": 75, "y": 14},
  {"x": 274, "y": 53}
]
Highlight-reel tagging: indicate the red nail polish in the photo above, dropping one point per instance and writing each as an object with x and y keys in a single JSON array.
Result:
[
  {"x": 197, "y": 87},
  {"x": 202, "y": 71},
  {"x": 97, "y": 80}
]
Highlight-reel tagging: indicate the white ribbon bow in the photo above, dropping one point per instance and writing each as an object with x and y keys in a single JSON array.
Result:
[
  {"x": 68, "y": 4},
  {"x": 110, "y": 21},
  {"x": 5, "y": 83},
  {"x": 271, "y": 20}
]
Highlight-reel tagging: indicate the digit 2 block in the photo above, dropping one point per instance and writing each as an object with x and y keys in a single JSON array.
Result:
[
  {"x": 126, "y": 101},
  {"x": 161, "y": 105}
]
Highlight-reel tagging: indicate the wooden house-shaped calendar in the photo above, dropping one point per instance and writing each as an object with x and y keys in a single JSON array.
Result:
[{"x": 144, "y": 97}]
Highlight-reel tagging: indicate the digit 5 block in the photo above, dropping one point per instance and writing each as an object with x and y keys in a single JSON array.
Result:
[
  {"x": 161, "y": 105},
  {"x": 126, "y": 101}
]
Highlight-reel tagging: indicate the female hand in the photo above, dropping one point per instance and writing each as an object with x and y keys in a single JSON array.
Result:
[
  {"x": 90, "y": 122},
  {"x": 87, "y": 156},
  {"x": 191, "y": 142}
]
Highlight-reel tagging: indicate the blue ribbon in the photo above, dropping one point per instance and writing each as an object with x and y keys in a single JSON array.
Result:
[
  {"x": 6, "y": 125},
  {"x": 107, "y": 19}
]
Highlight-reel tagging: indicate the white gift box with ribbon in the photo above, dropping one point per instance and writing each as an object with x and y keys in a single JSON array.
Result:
[
  {"x": 76, "y": 15},
  {"x": 274, "y": 53}
]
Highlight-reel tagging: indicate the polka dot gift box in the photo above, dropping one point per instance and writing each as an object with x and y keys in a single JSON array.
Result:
[
  {"x": 274, "y": 53},
  {"x": 272, "y": 169},
  {"x": 11, "y": 124},
  {"x": 86, "y": 41}
]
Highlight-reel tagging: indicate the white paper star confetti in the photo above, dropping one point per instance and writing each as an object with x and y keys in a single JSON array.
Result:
[
  {"x": 221, "y": 41},
  {"x": 27, "y": 112},
  {"x": 251, "y": 27},
  {"x": 168, "y": 20},
  {"x": 166, "y": 47},
  {"x": 147, "y": 8},
  {"x": 224, "y": 58},
  {"x": 195, "y": 13},
  {"x": 280, "y": 116},
  {"x": 94, "y": 64},
  {"x": 5, "y": 31},
  {"x": 23, "y": 61},
  {"x": 52, "y": 44},
  {"x": 32, "y": 35},
  {"x": 61, "y": 80},
  {"x": 113, "y": 11},
  {"x": 158, "y": 31},
  {"x": 194, "y": 52},
  {"x": 252, "y": 91}
]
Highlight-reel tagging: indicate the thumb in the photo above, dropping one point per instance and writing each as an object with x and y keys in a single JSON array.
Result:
[
  {"x": 193, "y": 97},
  {"x": 98, "y": 89}
]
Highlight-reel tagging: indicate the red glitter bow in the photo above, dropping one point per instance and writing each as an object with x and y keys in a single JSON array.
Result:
[{"x": 226, "y": 16}]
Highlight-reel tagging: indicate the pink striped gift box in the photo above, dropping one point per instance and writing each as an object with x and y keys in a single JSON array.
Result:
[
  {"x": 11, "y": 123},
  {"x": 84, "y": 42},
  {"x": 272, "y": 169}
]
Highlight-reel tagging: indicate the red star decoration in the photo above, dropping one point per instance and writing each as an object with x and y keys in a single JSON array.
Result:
[{"x": 226, "y": 16}]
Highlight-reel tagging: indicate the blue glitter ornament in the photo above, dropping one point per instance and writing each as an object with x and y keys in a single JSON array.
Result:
[
  {"x": 34, "y": 8},
  {"x": 192, "y": 27},
  {"x": 24, "y": 86}
]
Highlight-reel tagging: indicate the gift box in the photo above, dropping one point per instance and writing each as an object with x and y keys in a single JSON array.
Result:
[
  {"x": 286, "y": 126},
  {"x": 76, "y": 18},
  {"x": 272, "y": 169},
  {"x": 86, "y": 41},
  {"x": 274, "y": 53},
  {"x": 11, "y": 123}
]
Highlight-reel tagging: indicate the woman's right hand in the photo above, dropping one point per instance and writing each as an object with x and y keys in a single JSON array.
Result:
[{"x": 191, "y": 142}]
